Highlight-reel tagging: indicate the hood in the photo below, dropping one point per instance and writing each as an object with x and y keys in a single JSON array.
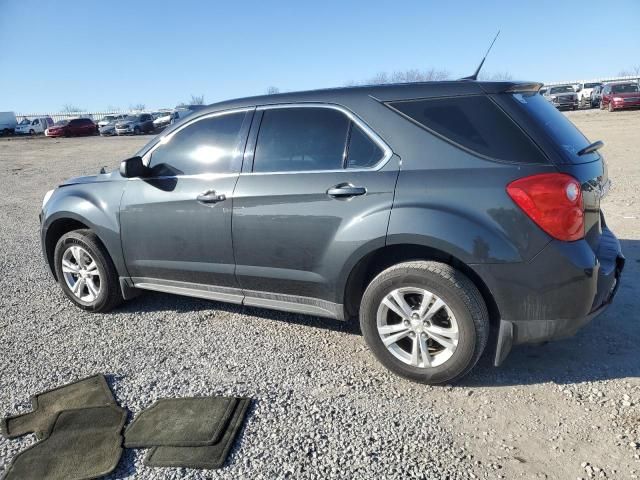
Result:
[
  {"x": 100, "y": 177},
  {"x": 124, "y": 124}
]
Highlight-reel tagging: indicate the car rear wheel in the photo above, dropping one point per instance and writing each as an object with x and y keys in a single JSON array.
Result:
[
  {"x": 86, "y": 273},
  {"x": 425, "y": 321}
]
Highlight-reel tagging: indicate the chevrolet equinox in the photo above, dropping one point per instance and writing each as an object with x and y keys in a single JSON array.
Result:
[{"x": 446, "y": 216}]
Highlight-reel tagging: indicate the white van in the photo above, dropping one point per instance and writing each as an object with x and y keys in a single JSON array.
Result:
[
  {"x": 8, "y": 123},
  {"x": 33, "y": 126}
]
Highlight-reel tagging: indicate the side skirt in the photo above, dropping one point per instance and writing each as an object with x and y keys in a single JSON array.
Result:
[{"x": 252, "y": 298}]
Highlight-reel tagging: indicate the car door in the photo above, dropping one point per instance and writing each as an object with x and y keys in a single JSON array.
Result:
[
  {"x": 317, "y": 185},
  {"x": 176, "y": 222}
]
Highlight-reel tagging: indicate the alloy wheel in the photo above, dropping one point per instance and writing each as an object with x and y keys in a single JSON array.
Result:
[
  {"x": 81, "y": 273},
  {"x": 417, "y": 327}
]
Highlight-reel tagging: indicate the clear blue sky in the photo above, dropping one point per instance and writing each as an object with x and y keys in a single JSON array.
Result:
[{"x": 96, "y": 54}]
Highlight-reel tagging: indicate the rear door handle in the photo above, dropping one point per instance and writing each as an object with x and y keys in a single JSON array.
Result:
[
  {"x": 210, "y": 196},
  {"x": 346, "y": 190}
]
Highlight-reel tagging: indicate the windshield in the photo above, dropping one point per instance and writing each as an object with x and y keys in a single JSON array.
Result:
[
  {"x": 563, "y": 89},
  {"x": 130, "y": 118},
  {"x": 556, "y": 126},
  {"x": 591, "y": 85},
  {"x": 624, "y": 88},
  {"x": 25, "y": 121},
  {"x": 61, "y": 123}
]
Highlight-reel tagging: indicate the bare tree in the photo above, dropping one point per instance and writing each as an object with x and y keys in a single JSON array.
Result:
[
  {"x": 630, "y": 72},
  {"x": 407, "y": 76},
  {"x": 137, "y": 106},
  {"x": 496, "y": 77},
  {"x": 69, "y": 108},
  {"x": 197, "y": 99},
  {"x": 272, "y": 90}
]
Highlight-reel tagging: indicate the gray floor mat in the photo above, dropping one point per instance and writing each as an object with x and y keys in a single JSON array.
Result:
[
  {"x": 206, "y": 457},
  {"x": 88, "y": 392},
  {"x": 83, "y": 443},
  {"x": 180, "y": 422}
]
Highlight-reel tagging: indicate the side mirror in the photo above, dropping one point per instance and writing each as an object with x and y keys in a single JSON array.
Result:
[{"x": 133, "y": 167}]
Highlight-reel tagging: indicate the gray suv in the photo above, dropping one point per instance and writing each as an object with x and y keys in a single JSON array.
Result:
[{"x": 446, "y": 216}]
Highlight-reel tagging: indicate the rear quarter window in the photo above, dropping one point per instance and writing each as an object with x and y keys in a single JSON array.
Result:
[
  {"x": 475, "y": 124},
  {"x": 555, "y": 125}
]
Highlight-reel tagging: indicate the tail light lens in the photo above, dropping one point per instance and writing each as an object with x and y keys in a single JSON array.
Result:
[{"x": 553, "y": 201}]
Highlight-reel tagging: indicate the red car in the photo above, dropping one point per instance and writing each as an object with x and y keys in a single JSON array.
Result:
[
  {"x": 616, "y": 96},
  {"x": 72, "y": 128}
]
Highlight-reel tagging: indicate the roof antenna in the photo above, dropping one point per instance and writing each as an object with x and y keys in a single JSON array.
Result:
[{"x": 475, "y": 75}]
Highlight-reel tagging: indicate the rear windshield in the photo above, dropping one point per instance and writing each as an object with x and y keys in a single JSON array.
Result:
[
  {"x": 474, "y": 123},
  {"x": 591, "y": 85},
  {"x": 563, "y": 89},
  {"x": 556, "y": 125},
  {"x": 624, "y": 88}
]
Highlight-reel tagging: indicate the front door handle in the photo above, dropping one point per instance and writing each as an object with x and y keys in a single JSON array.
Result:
[
  {"x": 210, "y": 196},
  {"x": 346, "y": 190}
]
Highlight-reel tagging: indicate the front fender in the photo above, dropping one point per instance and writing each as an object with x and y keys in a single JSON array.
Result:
[{"x": 95, "y": 205}]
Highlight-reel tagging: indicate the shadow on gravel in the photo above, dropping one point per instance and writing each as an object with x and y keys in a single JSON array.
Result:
[
  {"x": 158, "y": 302},
  {"x": 605, "y": 349}
]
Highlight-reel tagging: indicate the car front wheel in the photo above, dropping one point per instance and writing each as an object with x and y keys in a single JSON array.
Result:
[
  {"x": 425, "y": 321},
  {"x": 85, "y": 272}
]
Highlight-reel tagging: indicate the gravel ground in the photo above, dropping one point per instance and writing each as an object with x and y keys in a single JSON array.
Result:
[{"x": 324, "y": 408}]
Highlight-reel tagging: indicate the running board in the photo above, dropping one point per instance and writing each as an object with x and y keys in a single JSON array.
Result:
[{"x": 250, "y": 298}]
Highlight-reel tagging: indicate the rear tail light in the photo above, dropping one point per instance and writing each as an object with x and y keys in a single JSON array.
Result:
[{"x": 553, "y": 201}]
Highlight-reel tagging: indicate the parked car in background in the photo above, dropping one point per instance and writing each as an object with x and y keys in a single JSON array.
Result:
[
  {"x": 8, "y": 123},
  {"x": 135, "y": 124},
  {"x": 381, "y": 203},
  {"x": 543, "y": 91},
  {"x": 584, "y": 92},
  {"x": 162, "y": 119},
  {"x": 109, "y": 129},
  {"x": 33, "y": 126},
  {"x": 179, "y": 114},
  {"x": 596, "y": 96},
  {"x": 562, "y": 97},
  {"x": 616, "y": 96},
  {"x": 107, "y": 119},
  {"x": 76, "y": 127}
]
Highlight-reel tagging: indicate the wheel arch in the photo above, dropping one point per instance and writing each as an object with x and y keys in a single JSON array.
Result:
[{"x": 382, "y": 258}]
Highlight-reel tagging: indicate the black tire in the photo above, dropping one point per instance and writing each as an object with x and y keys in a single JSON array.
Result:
[
  {"x": 460, "y": 295},
  {"x": 109, "y": 295},
  {"x": 136, "y": 131}
]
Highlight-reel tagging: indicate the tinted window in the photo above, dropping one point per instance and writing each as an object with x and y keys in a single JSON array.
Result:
[
  {"x": 363, "y": 152},
  {"x": 624, "y": 88},
  {"x": 206, "y": 146},
  {"x": 475, "y": 123},
  {"x": 556, "y": 125},
  {"x": 74, "y": 123},
  {"x": 301, "y": 139}
]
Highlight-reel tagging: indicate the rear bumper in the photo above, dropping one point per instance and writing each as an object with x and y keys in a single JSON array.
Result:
[{"x": 555, "y": 294}]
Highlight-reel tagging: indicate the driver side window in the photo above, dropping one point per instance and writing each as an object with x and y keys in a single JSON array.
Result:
[{"x": 210, "y": 145}]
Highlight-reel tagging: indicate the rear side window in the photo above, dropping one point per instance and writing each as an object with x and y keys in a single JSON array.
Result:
[
  {"x": 301, "y": 139},
  {"x": 363, "y": 152},
  {"x": 556, "y": 126},
  {"x": 474, "y": 123},
  {"x": 206, "y": 146}
]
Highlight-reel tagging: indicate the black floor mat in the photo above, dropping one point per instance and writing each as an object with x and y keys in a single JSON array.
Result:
[
  {"x": 180, "y": 422},
  {"x": 83, "y": 443},
  {"x": 206, "y": 457},
  {"x": 88, "y": 392}
]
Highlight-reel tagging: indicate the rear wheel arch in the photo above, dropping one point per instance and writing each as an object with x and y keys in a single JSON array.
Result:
[{"x": 369, "y": 266}]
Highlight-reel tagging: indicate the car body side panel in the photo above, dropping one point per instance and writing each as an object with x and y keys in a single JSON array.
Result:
[
  {"x": 290, "y": 237},
  {"x": 97, "y": 207}
]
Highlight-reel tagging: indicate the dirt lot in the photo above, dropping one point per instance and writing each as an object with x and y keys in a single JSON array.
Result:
[{"x": 323, "y": 406}]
